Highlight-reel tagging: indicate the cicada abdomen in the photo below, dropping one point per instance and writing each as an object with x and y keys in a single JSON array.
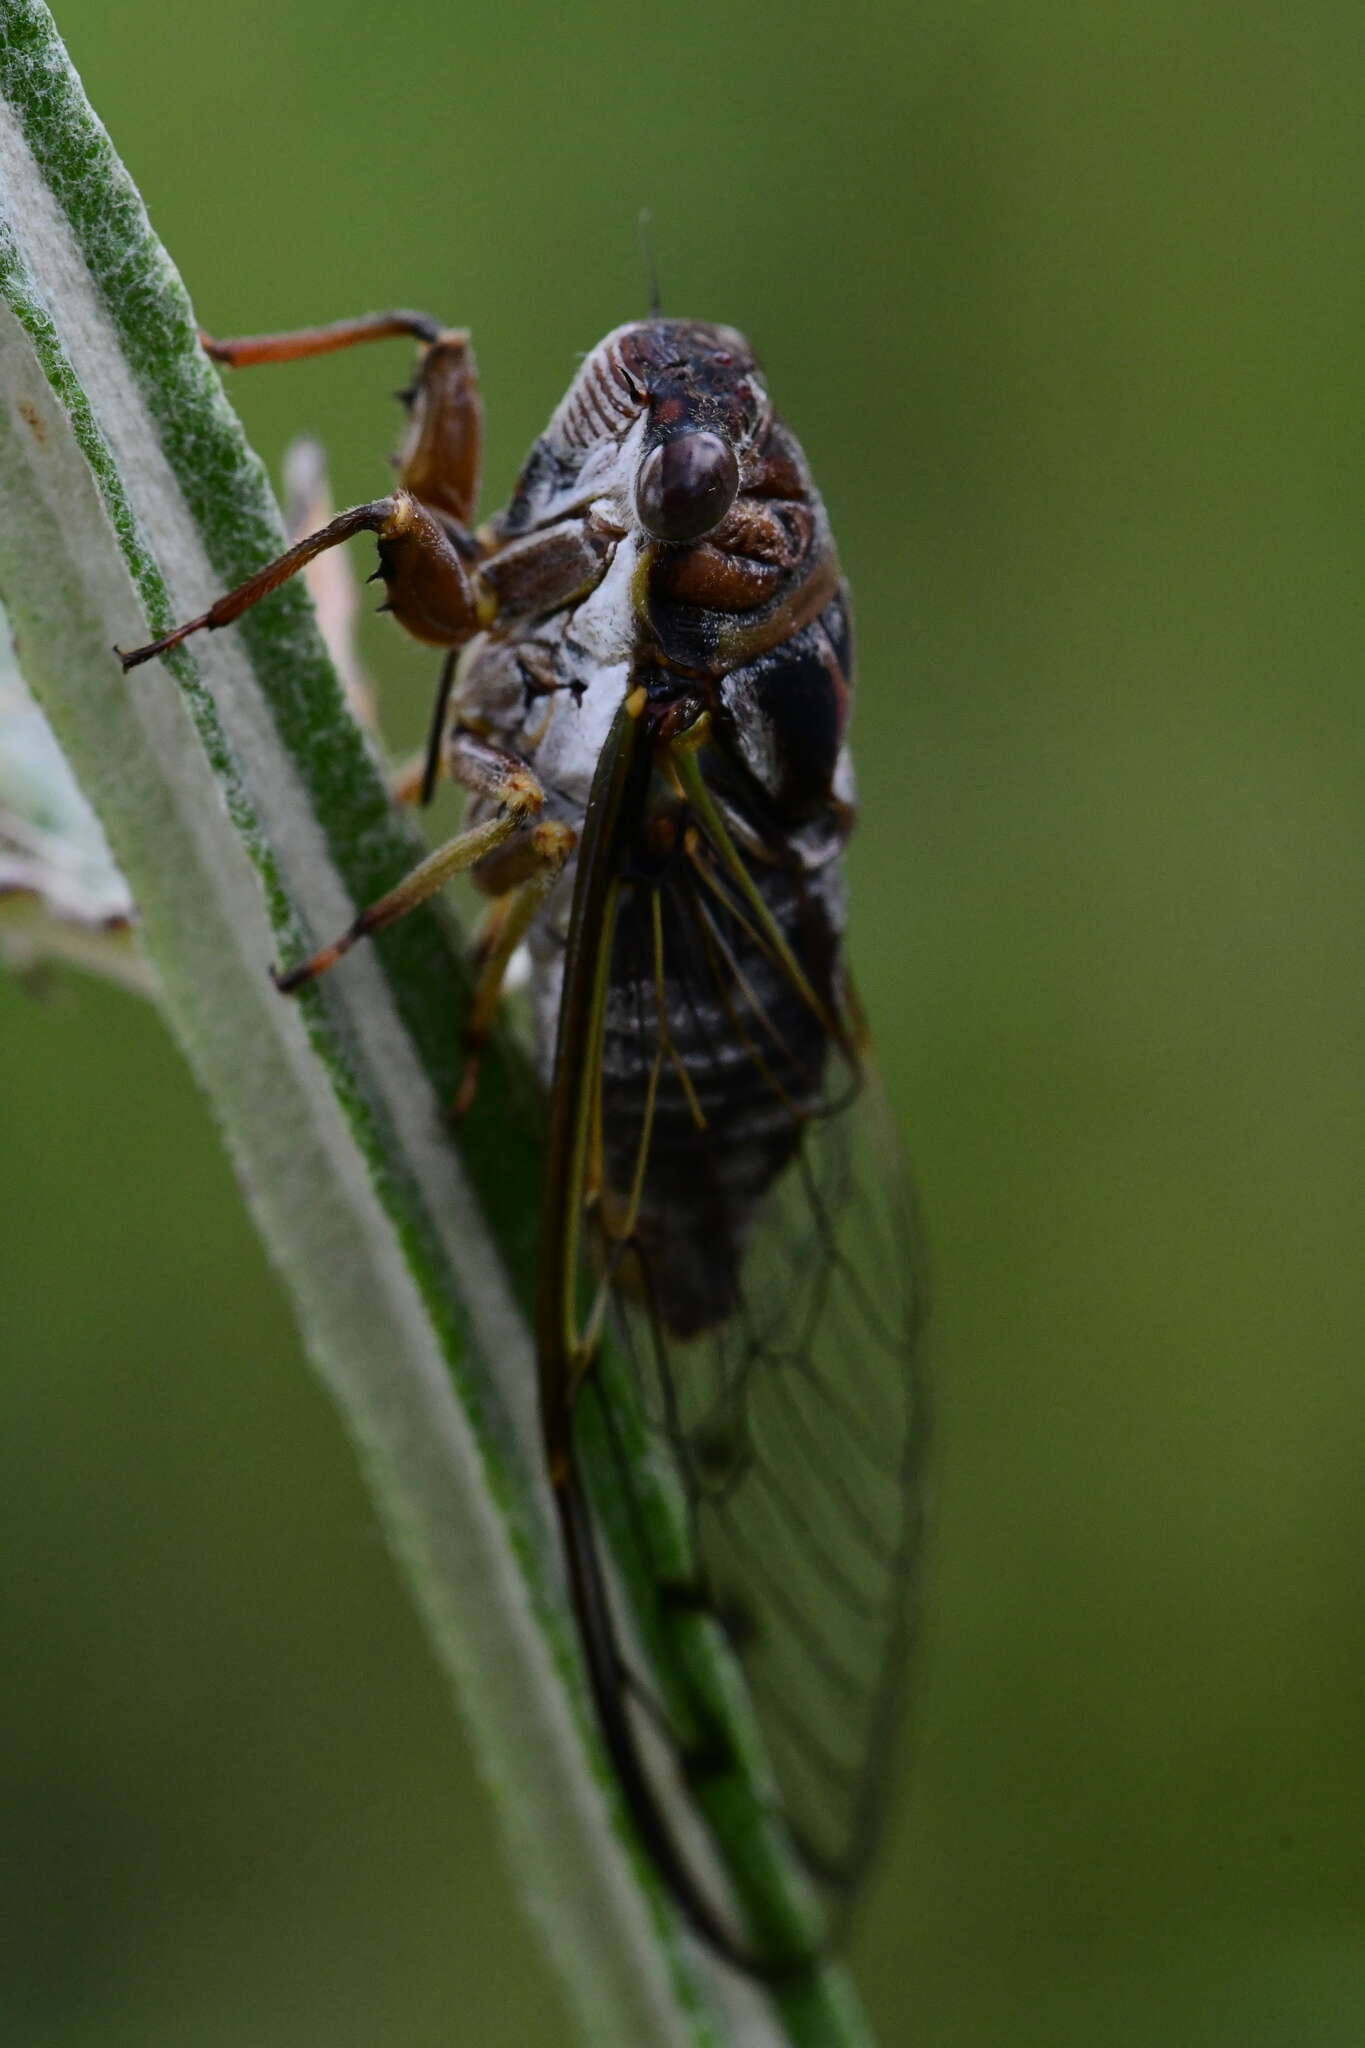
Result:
[{"x": 646, "y": 695}]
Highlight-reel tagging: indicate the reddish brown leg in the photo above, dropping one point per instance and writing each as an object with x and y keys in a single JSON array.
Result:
[
  {"x": 429, "y": 591},
  {"x": 300, "y": 342},
  {"x": 444, "y": 447},
  {"x": 359, "y": 519},
  {"x": 440, "y": 459}
]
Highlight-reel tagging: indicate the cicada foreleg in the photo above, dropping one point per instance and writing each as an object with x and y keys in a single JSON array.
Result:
[
  {"x": 426, "y": 556},
  {"x": 298, "y": 342},
  {"x": 517, "y": 799},
  {"x": 440, "y": 460},
  {"x": 430, "y": 591}
]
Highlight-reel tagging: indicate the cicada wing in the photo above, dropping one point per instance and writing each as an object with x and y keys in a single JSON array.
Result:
[
  {"x": 796, "y": 1429},
  {"x": 752, "y": 1430}
]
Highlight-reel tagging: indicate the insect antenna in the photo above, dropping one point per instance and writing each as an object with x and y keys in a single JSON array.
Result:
[{"x": 646, "y": 231}]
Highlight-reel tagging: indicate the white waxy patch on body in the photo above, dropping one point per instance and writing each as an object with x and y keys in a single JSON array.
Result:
[
  {"x": 596, "y": 643},
  {"x": 605, "y": 481},
  {"x": 600, "y": 639},
  {"x": 603, "y": 626},
  {"x": 561, "y": 735},
  {"x": 571, "y": 744}
]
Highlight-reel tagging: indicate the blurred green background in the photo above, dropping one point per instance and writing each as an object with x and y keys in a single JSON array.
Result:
[{"x": 1066, "y": 303}]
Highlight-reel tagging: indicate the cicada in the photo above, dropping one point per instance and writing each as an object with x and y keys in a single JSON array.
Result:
[{"x": 646, "y": 691}]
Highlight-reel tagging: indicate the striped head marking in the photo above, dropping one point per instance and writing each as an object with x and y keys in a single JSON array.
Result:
[{"x": 697, "y": 390}]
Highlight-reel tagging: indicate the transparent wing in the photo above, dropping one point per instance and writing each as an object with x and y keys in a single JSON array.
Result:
[
  {"x": 796, "y": 1429},
  {"x": 759, "y": 1272}
]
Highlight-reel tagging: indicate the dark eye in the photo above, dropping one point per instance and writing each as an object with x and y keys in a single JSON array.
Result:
[{"x": 687, "y": 486}]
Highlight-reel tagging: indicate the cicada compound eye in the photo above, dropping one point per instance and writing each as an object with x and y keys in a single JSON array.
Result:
[{"x": 686, "y": 486}]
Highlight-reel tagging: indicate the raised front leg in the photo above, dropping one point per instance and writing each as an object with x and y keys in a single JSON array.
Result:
[
  {"x": 425, "y": 553},
  {"x": 430, "y": 591},
  {"x": 440, "y": 459},
  {"x": 296, "y": 343}
]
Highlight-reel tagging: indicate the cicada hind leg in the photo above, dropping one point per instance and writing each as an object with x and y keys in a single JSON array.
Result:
[{"x": 515, "y": 799}]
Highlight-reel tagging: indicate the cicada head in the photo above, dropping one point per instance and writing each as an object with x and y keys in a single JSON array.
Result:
[{"x": 664, "y": 416}]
